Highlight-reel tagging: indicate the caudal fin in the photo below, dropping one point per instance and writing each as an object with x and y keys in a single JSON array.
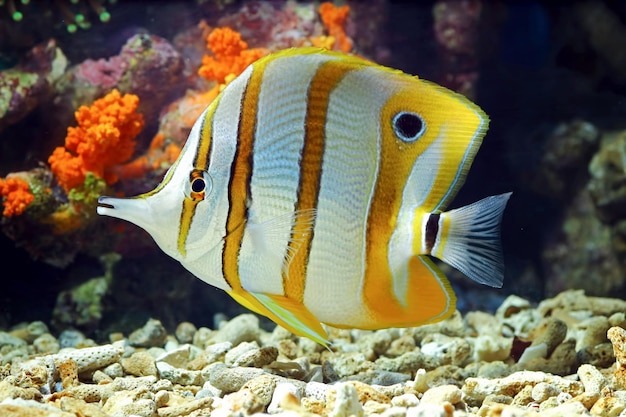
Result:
[{"x": 469, "y": 240}]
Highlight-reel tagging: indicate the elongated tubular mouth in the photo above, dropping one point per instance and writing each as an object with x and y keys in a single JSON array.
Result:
[{"x": 105, "y": 202}]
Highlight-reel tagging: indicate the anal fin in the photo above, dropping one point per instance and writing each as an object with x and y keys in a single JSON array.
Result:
[{"x": 292, "y": 315}]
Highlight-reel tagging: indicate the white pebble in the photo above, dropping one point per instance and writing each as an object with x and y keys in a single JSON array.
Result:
[
  {"x": 405, "y": 400},
  {"x": 346, "y": 401},
  {"x": 282, "y": 390}
]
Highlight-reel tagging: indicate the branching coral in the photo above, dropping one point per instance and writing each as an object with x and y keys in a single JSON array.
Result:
[
  {"x": 16, "y": 196},
  {"x": 231, "y": 55},
  {"x": 159, "y": 156},
  {"x": 104, "y": 138},
  {"x": 334, "y": 19}
]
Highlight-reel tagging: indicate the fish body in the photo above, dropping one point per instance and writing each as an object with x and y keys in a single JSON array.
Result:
[{"x": 313, "y": 190}]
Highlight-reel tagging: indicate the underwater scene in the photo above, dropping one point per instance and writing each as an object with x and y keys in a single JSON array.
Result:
[{"x": 346, "y": 208}]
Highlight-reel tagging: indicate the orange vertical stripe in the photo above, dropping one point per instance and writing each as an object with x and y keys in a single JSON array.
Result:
[
  {"x": 322, "y": 84},
  {"x": 241, "y": 171},
  {"x": 396, "y": 161}
]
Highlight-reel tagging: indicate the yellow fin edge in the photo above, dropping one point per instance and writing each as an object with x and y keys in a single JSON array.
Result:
[{"x": 290, "y": 314}]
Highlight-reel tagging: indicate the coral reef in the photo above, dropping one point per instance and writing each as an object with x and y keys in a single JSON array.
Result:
[
  {"x": 28, "y": 84},
  {"x": 230, "y": 55},
  {"x": 16, "y": 196},
  {"x": 456, "y": 30},
  {"x": 74, "y": 15},
  {"x": 147, "y": 66},
  {"x": 104, "y": 138}
]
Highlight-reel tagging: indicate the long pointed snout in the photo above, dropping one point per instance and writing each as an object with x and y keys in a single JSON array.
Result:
[{"x": 134, "y": 210}]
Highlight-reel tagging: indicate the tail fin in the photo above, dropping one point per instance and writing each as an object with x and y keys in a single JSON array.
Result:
[{"x": 468, "y": 239}]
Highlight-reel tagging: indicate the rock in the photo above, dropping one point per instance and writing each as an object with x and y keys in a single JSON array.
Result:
[
  {"x": 543, "y": 390},
  {"x": 130, "y": 403},
  {"x": 10, "y": 391},
  {"x": 479, "y": 388},
  {"x": 550, "y": 332},
  {"x": 400, "y": 346},
  {"x": 317, "y": 390},
  {"x": 350, "y": 364},
  {"x": 114, "y": 370},
  {"x": 446, "y": 350},
  {"x": 90, "y": 359},
  {"x": 186, "y": 408},
  {"x": 258, "y": 358},
  {"x": 151, "y": 334},
  {"x": 617, "y": 336},
  {"x": 431, "y": 410},
  {"x": 243, "y": 328},
  {"x": 516, "y": 316},
  {"x": 591, "y": 378},
  {"x": 178, "y": 357},
  {"x": 30, "y": 408},
  {"x": 212, "y": 353},
  {"x": 178, "y": 375},
  {"x": 483, "y": 324},
  {"x": 91, "y": 393},
  {"x": 31, "y": 331},
  {"x": 285, "y": 392},
  {"x": 238, "y": 350},
  {"x": 68, "y": 372},
  {"x": 565, "y": 410},
  {"x": 453, "y": 326},
  {"x": 343, "y": 401},
  {"x": 81, "y": 408},
  {"x": 263, "y": 387},
  {"x": 443, "y": 393},
  {"x": 10, "y": 340},
  {"x": 71, "y": 338},
  {"x": 185, "y": 332},
  {"x": 592, "y": 332},
  {"x": 406, "y": 362},
  {"x": 231, "y": 379},
  {"x": 405, "y": 400},
  {"x": 607, "y": 169},
  {"x": 608, "y": 406},
  {"x": 139, "y": 364}
]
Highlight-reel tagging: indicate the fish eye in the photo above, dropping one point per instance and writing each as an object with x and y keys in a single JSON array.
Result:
[
  {"x": 199, "y": 185},
  {"x": 408, "y": 127}
]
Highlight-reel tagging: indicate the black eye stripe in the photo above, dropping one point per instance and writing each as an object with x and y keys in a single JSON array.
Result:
[{"x": 408, "y": 126}]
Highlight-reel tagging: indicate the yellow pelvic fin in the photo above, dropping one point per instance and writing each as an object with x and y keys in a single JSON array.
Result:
[{"x": 290, "y": 314}]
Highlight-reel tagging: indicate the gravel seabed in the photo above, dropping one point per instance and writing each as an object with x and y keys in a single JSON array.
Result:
[{"x": 565, "y": 356}]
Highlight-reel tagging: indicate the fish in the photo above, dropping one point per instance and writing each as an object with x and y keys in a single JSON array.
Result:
[{"x": 314, "y": 188}]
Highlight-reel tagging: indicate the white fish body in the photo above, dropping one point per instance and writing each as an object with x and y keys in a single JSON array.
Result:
[{"x": 313, "y": 188}]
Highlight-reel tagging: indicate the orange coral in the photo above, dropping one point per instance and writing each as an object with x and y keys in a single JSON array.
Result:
[
  {"x": 334, "y": 19},
  {"x": 17, "y": 196},
  {"x": 157, "y": 156},
  {"x": 193, "y": 104},
  {"x": 105, "y": 137},
  {"x": 231, "y": 55}
]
